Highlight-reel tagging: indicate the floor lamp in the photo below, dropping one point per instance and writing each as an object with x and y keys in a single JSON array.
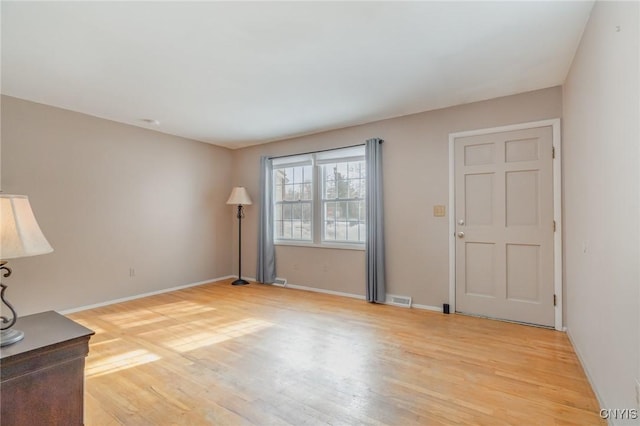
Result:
[
  {"x": 20, "y": 236},
  {"x": 239, "y": 197}
]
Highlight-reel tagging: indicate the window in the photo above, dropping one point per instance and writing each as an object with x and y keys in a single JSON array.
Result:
[
  {"x": 293, "y": 197},
  {"x": 343, "y": 201},
  {"x": 320, "y": 198}
]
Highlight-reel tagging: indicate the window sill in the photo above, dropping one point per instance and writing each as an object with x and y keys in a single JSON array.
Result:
[{"x": 359, "y": 247}]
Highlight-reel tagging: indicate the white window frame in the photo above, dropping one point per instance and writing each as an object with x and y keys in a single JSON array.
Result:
[
  {"x": 316, "y": 160},
  {"x": 298, "y": 161},
  {"x": 322, "y": 201}
]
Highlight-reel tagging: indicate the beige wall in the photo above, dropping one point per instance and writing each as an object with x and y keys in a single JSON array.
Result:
[
  {"x": 415, "y": 179},
  {"x": 110, "y": 197},
  {"x": 601, "y": 166}
]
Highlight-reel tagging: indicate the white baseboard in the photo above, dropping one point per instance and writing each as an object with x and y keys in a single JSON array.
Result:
[
  {"x": 351, "y": 295},
  {"x": 321, "y": 290},
  {"x": 427, "y": 307},
  {"x": 286, "y": 285},
  {"x": 139, "y": 296},
  {"x": 586, "y": 371}
]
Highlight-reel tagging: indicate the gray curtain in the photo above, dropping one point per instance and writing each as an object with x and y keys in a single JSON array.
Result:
[
  {"x": 375, "y": 223},
  {"x": 266, "y": 272}
]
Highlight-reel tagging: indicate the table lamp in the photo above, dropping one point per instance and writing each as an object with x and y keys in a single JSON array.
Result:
[{"x": 20, "y": 236}]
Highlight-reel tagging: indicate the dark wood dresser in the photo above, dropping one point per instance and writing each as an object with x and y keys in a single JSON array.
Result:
[{"x": 42, "y": 376}]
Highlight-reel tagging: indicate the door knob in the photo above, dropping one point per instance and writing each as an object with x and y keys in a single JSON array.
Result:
[{"x": 460, "y": 234}]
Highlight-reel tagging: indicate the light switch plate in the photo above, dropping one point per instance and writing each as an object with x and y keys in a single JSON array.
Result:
[{"x": 439, "y": 211}]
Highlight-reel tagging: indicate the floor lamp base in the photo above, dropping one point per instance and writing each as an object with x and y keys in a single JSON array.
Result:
[{"x": 240, "y": 281}]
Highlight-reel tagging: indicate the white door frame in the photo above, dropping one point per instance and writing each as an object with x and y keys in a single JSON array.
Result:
[{"x": 557, "y": 208}]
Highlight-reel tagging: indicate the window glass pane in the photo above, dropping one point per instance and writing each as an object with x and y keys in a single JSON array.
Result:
[
  {"x": 306, "y": 212},
  {"x": 329, "y": 188},
  {"x": 277, "y": 193},
  {"x": 296, "y": 211},
  {"x": 329, "y": 230},
  {"x": 293, "y": 183},
  {"x": 278, "y": 229},
  {"x": 307, "y": 174},
  {"x": 330, "y": 170},
  {"x": 351, "y": 170},
  {"x": 354, "y": 188},
  {"x": 341, "y": 231},
  {"x": 289, "y": 192},
  {"x": 278, "y": 177},
  {"x": 341, "y": 210},
  {"x": 330, "y": 211},
  {"x": 353, "y": 212},
  {"x": 352, "y": 231},
  {"x": 307, "y": 189},
  {"x": 356, "y": 170},
  {"x": 343, "y": 188},
  {"x": 341, "y": 170},
  {"x": 306, "y": 230},
  {"x": 286, "y": 211},
  {"x": 286, "y": 226},
  {"x": 296, "y": 232},
  {"x": 363, "y": 211},
  {"x": 278, "y": 211},
  {"x": 357, "y": 232},
  {"x": 297, "y": 174}
]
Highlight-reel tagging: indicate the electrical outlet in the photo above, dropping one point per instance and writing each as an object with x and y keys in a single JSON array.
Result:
[
  {"x": 638, "y": 392},
  {"x": 132, "y": 272}
]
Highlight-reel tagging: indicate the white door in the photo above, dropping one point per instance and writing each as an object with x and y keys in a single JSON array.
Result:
[{"x": 504, "y": 225}]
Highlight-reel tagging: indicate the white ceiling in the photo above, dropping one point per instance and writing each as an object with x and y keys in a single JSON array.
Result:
[{"x": 242, "y": 73}]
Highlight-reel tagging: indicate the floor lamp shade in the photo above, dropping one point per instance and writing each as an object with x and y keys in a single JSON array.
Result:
[
  {"x": 20, "y": 236},
  {"x": 239, "y": 197}
]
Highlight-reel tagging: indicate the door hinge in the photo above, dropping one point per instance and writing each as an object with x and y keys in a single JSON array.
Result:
[
  {"x": 555, "y": 300},
  {"x": 554, "y": 226},
  {"x": 553, "y": 152}
]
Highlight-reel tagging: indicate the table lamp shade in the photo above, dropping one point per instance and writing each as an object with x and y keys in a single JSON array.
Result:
[
  {"x": 20, "y": 235},
  {"x": 239, "y": 196}
]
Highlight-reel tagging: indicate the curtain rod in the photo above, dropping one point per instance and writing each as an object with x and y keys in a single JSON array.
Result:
[{"x": 320, "y": 150}]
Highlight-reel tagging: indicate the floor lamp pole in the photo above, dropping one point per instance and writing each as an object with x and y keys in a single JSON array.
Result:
[{"x": 240, "y": 281}]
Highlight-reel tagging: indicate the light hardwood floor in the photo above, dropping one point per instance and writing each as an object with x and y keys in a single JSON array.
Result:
[{"x": 263, "y": 355}]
